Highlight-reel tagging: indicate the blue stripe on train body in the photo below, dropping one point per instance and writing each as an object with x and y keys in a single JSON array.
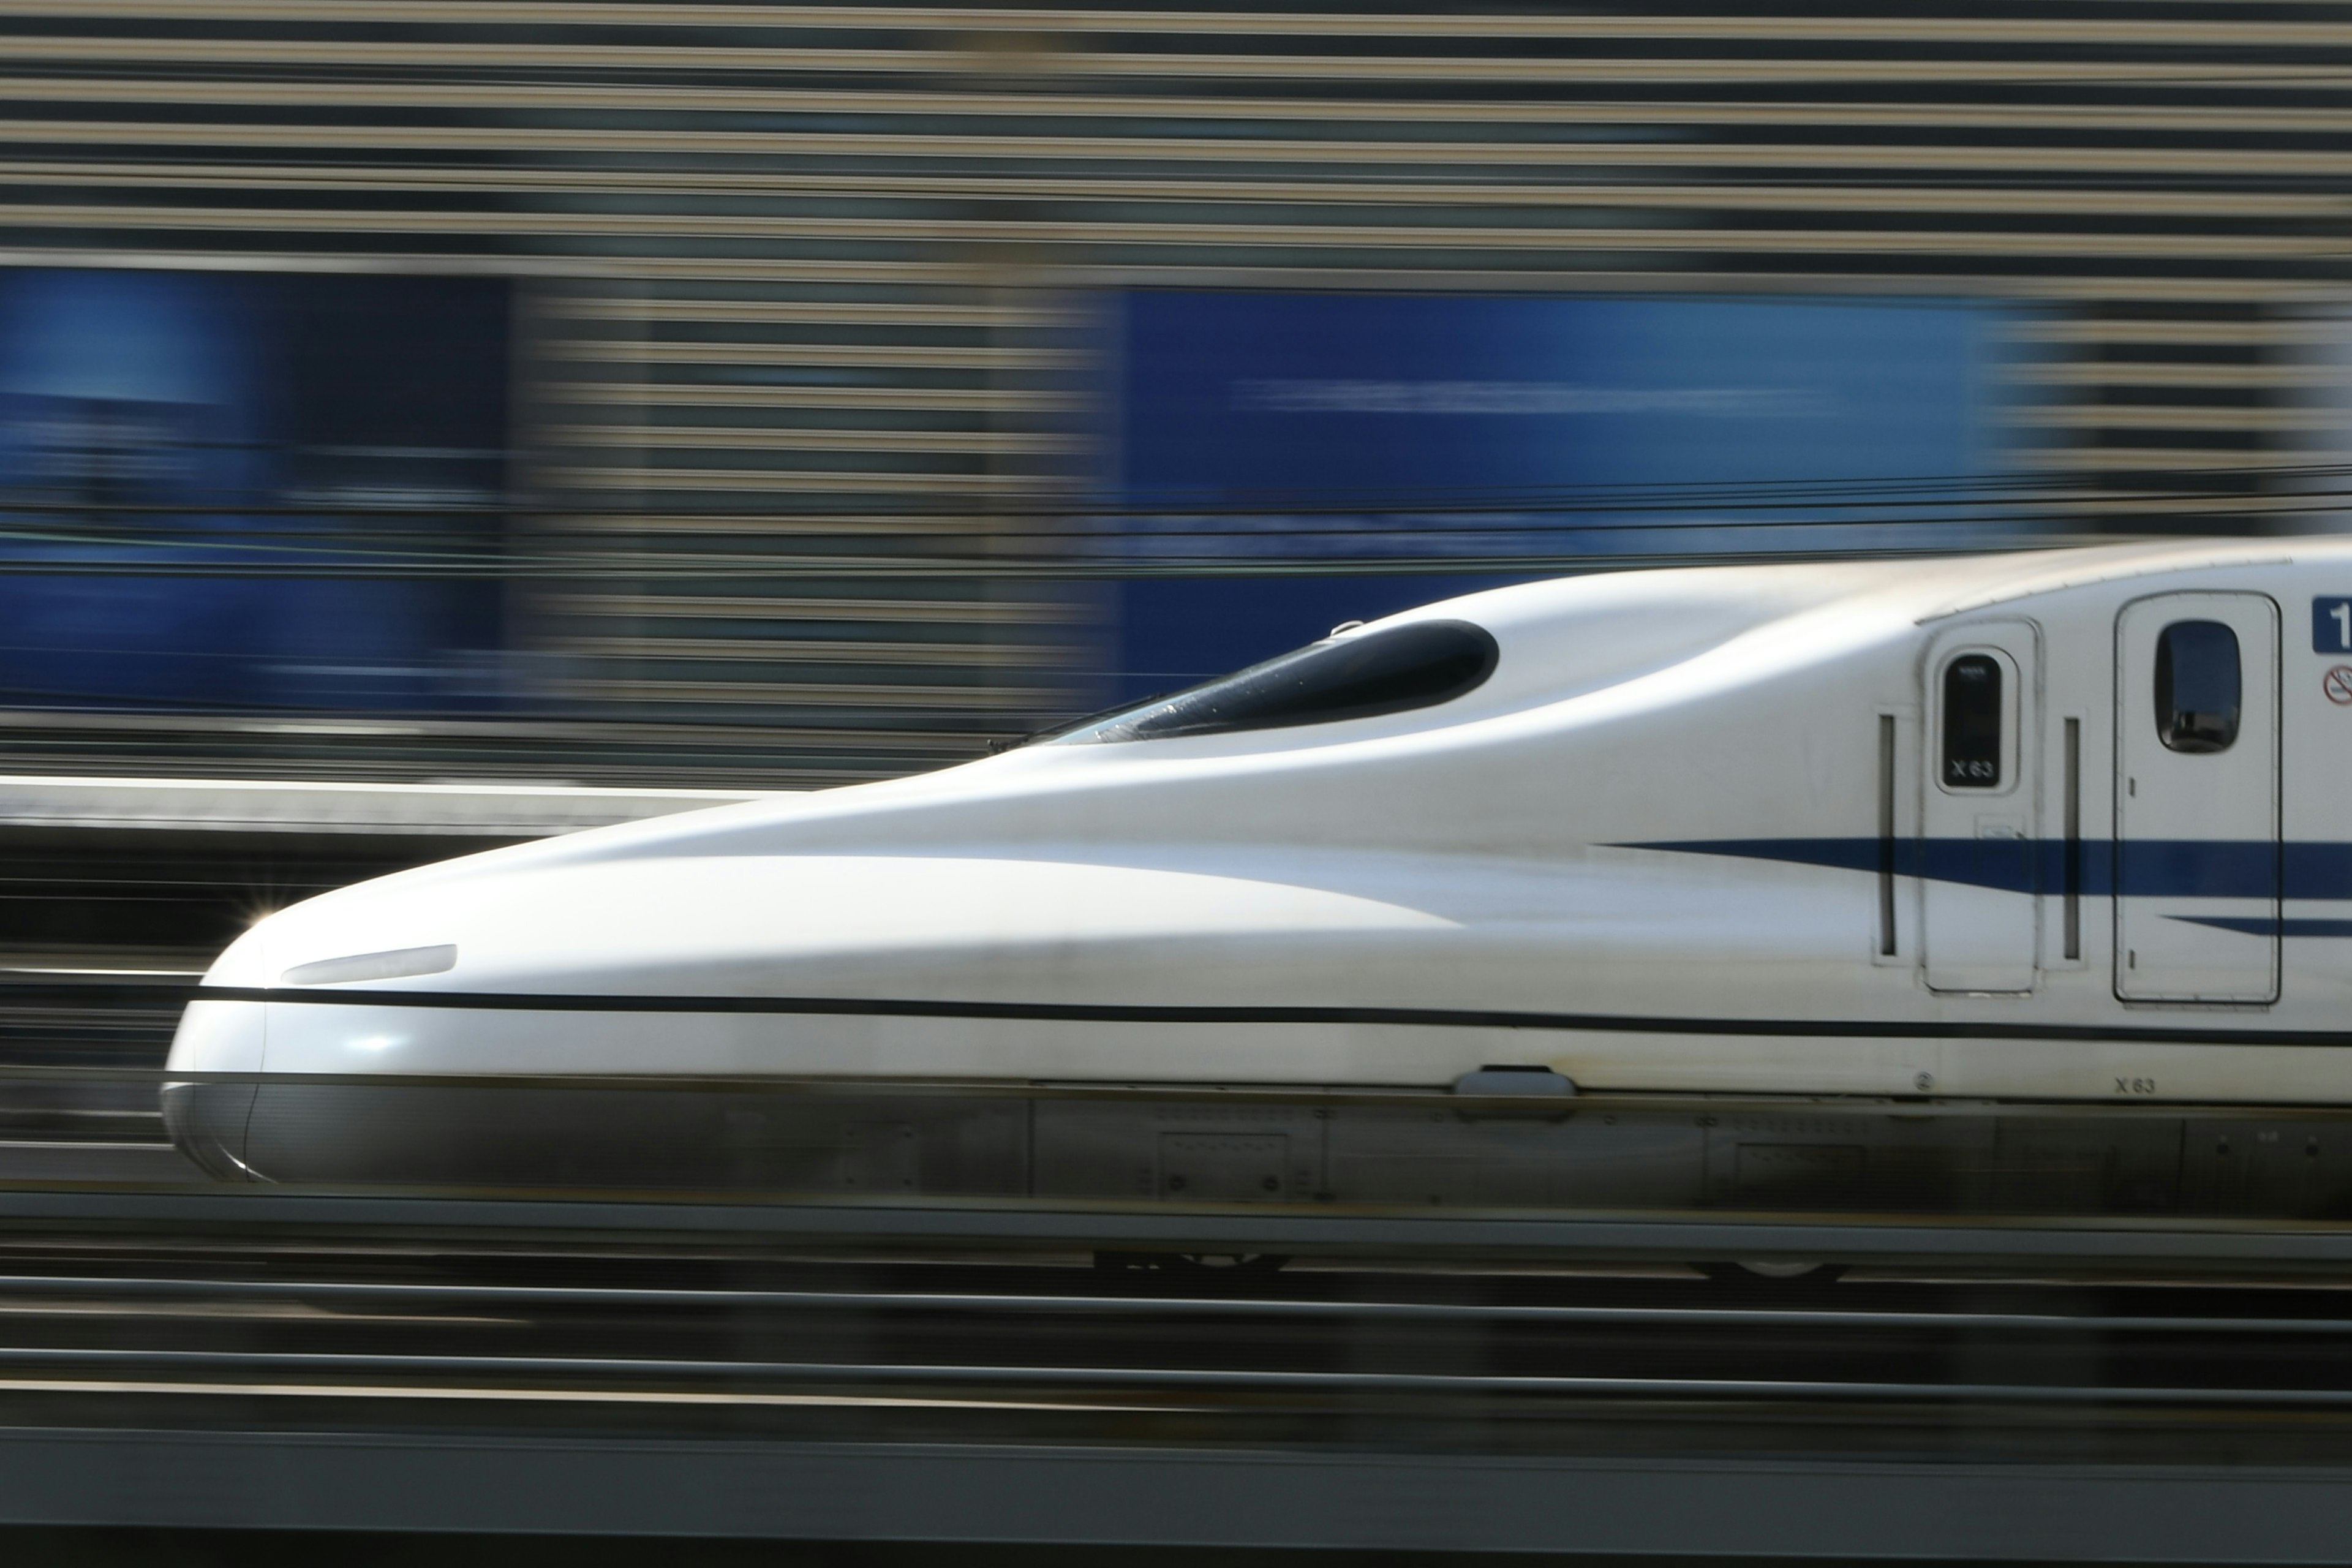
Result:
[
  {"x": 2265, "y": 925},
  {"x": 2154, "y": 868}
]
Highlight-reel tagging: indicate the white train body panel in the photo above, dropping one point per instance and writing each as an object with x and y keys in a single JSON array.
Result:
[{"x": 1656, "y": 849}]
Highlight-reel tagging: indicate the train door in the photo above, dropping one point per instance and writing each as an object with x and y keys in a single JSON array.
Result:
[
  {"x": 2197, "y": 799},
  {"x": 1977, "y": 824}
]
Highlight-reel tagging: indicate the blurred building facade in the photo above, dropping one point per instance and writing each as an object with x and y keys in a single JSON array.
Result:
[{"x": 802, "y": 309}]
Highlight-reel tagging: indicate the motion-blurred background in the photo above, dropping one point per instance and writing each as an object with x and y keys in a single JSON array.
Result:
[
  {"x": 432, "y": 424},
  {"x": 757, "y": 395}
]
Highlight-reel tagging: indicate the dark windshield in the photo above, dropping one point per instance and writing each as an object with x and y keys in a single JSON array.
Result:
[{"x": 1415, "y": 666}]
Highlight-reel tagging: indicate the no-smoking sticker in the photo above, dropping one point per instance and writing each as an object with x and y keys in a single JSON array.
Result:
[{"x": 2338, "y": 684}]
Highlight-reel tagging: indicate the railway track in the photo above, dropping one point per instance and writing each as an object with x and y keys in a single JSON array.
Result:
[
  {"x": 651, "y": 1335},
  {"x": 695, "y": 1363},
  {"x": 368, "y": 1382}
]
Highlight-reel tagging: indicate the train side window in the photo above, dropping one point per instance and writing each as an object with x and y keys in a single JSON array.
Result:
[
  {"x": 2199, "y": 687},
  {"x": 1972, "y": 723}
]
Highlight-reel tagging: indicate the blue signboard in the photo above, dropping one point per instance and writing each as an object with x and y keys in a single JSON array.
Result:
[
  {"x": 1273, "y": 432},
  {"x": 2331, "y": 625},
  {"x": 225, "y": 491}
]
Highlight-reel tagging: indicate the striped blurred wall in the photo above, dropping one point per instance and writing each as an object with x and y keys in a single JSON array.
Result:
[{"x": 798, "y": 280}]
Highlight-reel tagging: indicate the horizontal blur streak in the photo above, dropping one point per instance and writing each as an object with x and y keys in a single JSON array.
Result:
[
  {"x": 767, "y": 395},
  {"x": 648, "y": 1384}
]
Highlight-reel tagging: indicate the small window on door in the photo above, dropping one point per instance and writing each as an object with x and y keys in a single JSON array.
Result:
[
  {"x": 1972, "y": 723},
  {"x": 2198, "y": 688}
]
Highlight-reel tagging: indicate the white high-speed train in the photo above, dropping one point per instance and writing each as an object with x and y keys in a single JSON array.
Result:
[{"x": 2012, "y": 881}]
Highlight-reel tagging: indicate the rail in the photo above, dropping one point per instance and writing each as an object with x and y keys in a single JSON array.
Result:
[
  {"x": 2082, "y": 1247},
  {"x": 1339, "y": 1406}
]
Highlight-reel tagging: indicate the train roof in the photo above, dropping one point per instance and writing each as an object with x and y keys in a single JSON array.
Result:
[{"x": 1921, "y": 589}]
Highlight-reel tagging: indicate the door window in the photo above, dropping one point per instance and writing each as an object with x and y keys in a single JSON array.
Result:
[
  {"x": 1972, "y": 723},
  {"x": 2198, "y": 687}
]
